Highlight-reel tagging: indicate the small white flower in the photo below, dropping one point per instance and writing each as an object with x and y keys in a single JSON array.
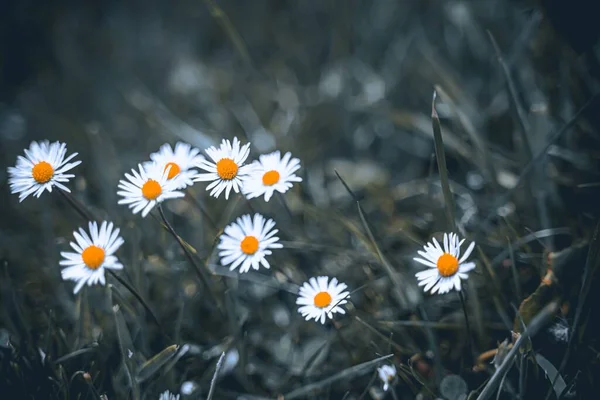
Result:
[
  {"x": 247, "y": 242},
  {"x": 166, "y": 395},
  {"x": 387, "y": 374},
  {"x": 445, "y": 268},
  {"x": 227, "y": 168},
  {"x": 270, "y": 173},
  {"x": 181, "y": 160},
  {"x": 93, "y": 253},
  {"x": 43, "y": 166},
  {"x": 146, "y": 188},
  {"x": 319, "y": 299}
]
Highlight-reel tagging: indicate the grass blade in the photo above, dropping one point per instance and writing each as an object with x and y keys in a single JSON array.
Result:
[
  {"x": 154, "y": 364},
  {"x": 440, "y": 155},
  {"x": 345, "y": 374}
]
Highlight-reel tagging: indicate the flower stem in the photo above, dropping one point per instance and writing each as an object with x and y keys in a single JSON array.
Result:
[
  {"x": 88, "y": 216},
  {"x": 468, "y": 325},
  {"x": 284, "y": 202},
  {"x": 201, "y": 274}
]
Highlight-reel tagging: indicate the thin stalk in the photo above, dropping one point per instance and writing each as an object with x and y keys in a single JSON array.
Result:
[
  {"x": 203, "y": 210},
  {"x": 87, "y": 215},
  {"x": 468, "y": 325},
  {"x": 201, "y": 274},
  {"x": 285, "y": 205}
]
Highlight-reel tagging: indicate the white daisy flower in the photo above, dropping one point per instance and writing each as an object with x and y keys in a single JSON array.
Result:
[
  {"x": 43, "y": 166},
  {"x": 226, "y": 169},
  {"x": 387, "y": 374},
  {"x": 247, "y": 242},
  {"x": 270, "y": 173},
  {"x": 445, "y": 268},
  {"x": 146, "y": 188},
  {"x": 318, "y": 299},
  {"x": 93, "y": 253},
  {"x": 181, "y": 160},
  {"x": 166, "y": 395}
]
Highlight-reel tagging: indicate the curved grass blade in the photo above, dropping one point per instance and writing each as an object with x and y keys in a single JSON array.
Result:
[{"x": 154, "y": 364}]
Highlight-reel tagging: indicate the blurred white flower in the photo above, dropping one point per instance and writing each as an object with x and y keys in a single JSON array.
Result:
[
  {"x": 93, "y": 253},
  {"x": 445, "y": 268},
  {"x": 43, "y": 166},
  {"x": 145, "y": 189},
  {"x": 387, "y": 374},
  {"x": 166, "y": 395},
  {"x": 226, "y": 169},
  {"x": 270, "y": 173},
  {"x": 319, "y": 299},
  {"x": 181, "y": 160},
  {"x": 247, "y": 242}
]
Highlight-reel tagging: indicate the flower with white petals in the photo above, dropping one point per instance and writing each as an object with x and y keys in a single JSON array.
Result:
[
  {"x": 271, "y": 173},
  {"x": 145, "y": 189},
  {"x": 247, "y": 242},
  {"x": 93, "y": 254},
  {"x": 446, "y": 266},
  {"x": 43, "y": 166},
  {"x": 319, "y": 299},
  {"x": 226, "y": 169},
  {"x": 387, "y": 374},
  {"x": 181, "y": 160},
  {"x": 166, "y": 395}
]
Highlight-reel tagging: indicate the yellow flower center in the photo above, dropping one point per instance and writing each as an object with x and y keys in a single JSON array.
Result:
[
  {"x": 93, "y": 257},
  {"x": 42, "y": 172},
  {"x": 322, "y": 299},
  {"x": 151, "y": 189},
  {"x": 249, "y": 245},
  {"x": 447, "y": 265},
  {"x": 227, "y": 169},
  {"x": 174, "y": 171},
  {"x": 270, "y": 178}
]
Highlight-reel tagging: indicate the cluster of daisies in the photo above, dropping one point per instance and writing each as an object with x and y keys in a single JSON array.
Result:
[{"x": 246, "y": 243}]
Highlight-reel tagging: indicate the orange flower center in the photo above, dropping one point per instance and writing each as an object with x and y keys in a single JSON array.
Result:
[
  {"x": 93, "y": 257},
  {"x": 322, "y": 299},
  {"x": 271, "y": 177},
  {"x": 227, "y": 169},
  {"x": 447, "y": 265},
  {"x": 249, "y": 245},
  {"x": 42, "y": 172},
  {"x": 151, "y": 189},
  {"x": 174, "y": 171}
]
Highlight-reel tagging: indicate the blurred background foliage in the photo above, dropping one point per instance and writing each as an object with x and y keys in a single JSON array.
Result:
[{"x": 345, "y": 86}]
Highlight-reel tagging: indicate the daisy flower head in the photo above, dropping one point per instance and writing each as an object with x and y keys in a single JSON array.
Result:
[
  {"x": 226, "y": 169},
  {"x": 446, "y": 266},
  {"x": 43, "y": 167},
  {"x": 387, "y": 374},
  {"x": 93, "y": 253},
  {"x": 269, "y": 173},
  {"x": 319, "y": 298},
  {"x": 246, "y": 242},
  {"x": 144, "y": 189},
  {"x": 166, "y": 395},
  {"x": 181, "y": 160}
]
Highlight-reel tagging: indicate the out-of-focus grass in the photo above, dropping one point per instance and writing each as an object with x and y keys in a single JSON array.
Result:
[{"x": 346, "y": 87}]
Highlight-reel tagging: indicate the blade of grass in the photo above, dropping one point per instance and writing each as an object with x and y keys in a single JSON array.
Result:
[
  {"x": 154, "y": 364},
  {"x": 213, "y": 382},
  {"x": 126, "y": 346},
  {"x": 345, "y": 374},
  {"x": 536, "y": 324},
  {"x": 441, "y": 162}
]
